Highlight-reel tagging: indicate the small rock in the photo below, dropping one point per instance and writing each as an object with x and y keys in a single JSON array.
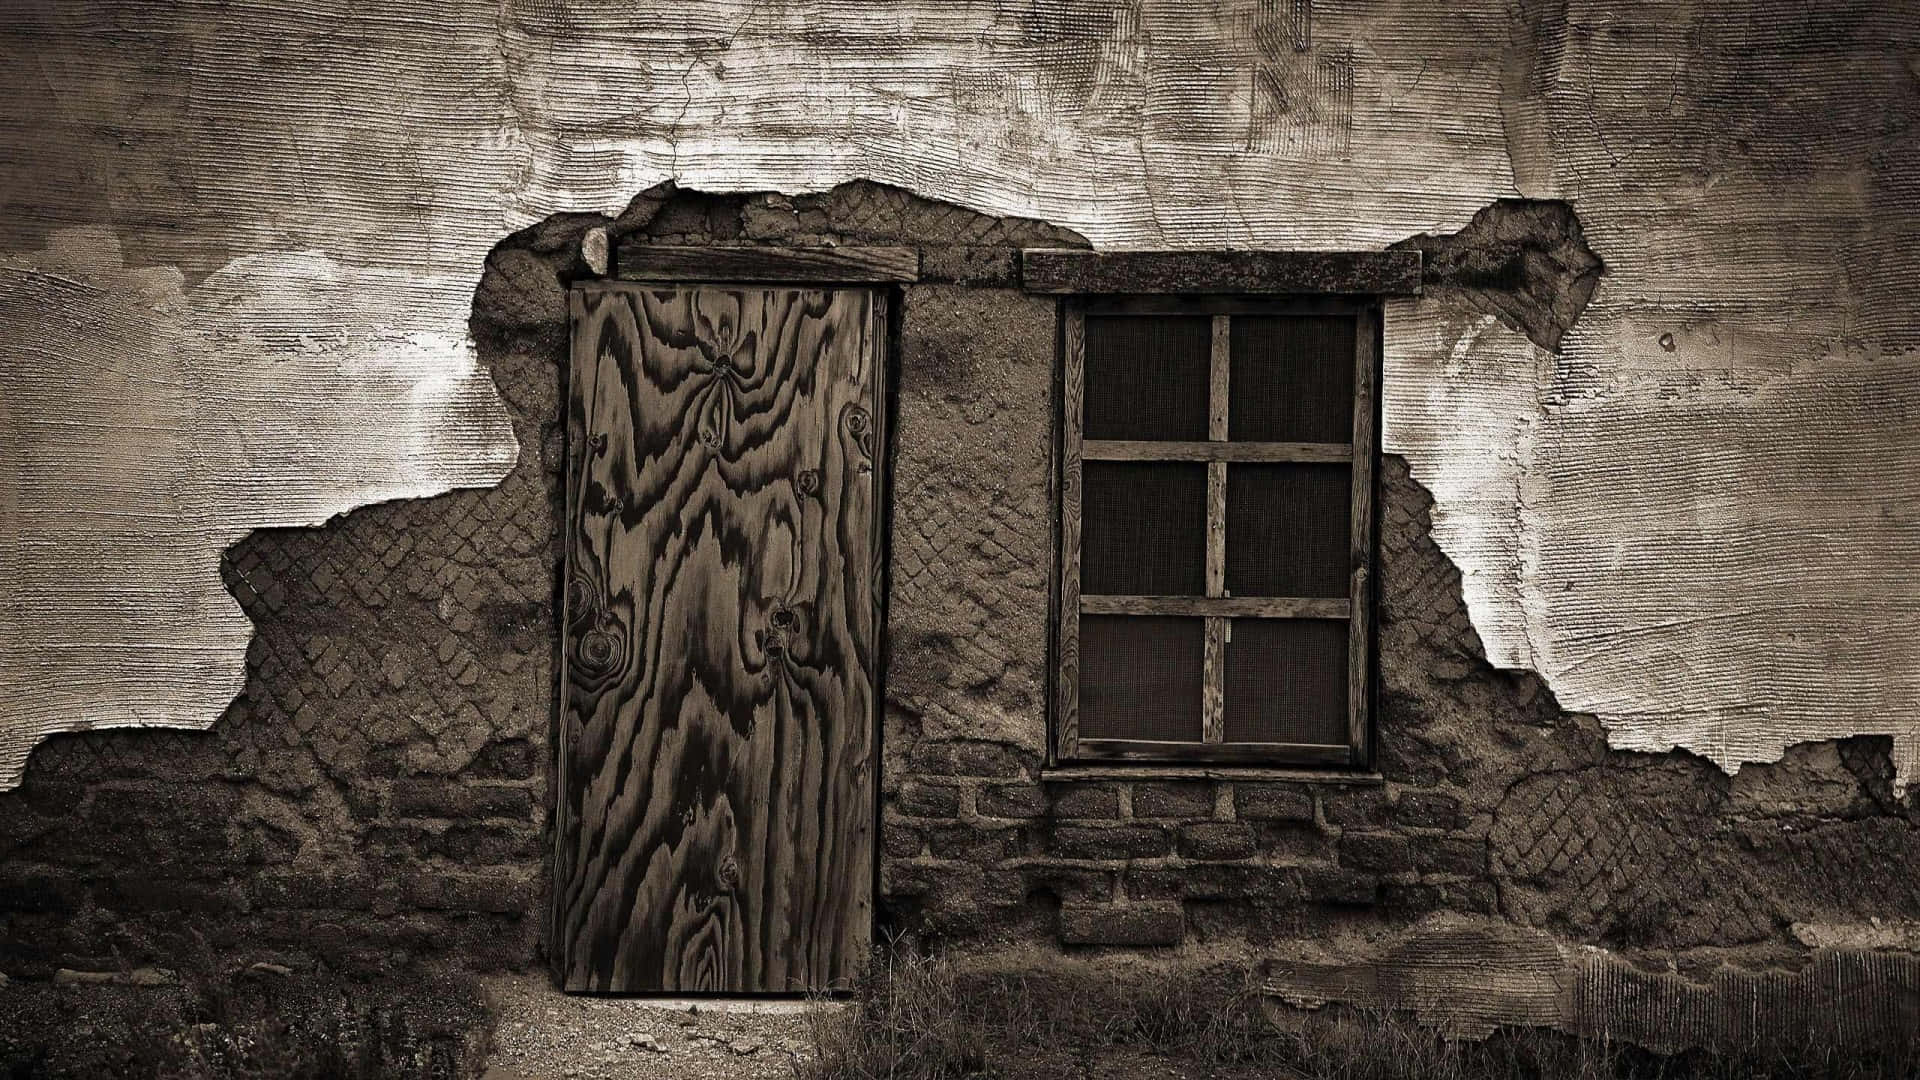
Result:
[
  {"x": 146, "y": 976},
  {"x": 647, "y": 1043},
  {"x": 265, "y": 968},
  {"x": 745, "y": 1046}
]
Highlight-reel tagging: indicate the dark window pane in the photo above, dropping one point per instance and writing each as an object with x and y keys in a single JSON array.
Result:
[
  {"x": 1146, "y": 377},
  {"x": 1291, "y": 378},
  {"x": 1140, "y": 677},
  {"x": 1286, "y": 681},
  {"x": 1143, "y": 528},
  {"x": 1287, "y": 528}
]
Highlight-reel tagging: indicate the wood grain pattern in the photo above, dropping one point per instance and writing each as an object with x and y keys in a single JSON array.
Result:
[
  {"x": 1373, "y": 273},
  {"x": 756, "y": 263},
  {"x": 1148, "y": 450},
  {"x": 1224, "y": 607},
  {"x": 1366, "y": 365},
  {"x": 1066, "y": 662},
  {"x": 721, "y": 623},
  {"x": 1213, "y": 665},
  {"x": 1250, "y": 753}
]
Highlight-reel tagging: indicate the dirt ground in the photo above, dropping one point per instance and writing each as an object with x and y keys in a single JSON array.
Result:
[{"x": 541, "y": 1034}]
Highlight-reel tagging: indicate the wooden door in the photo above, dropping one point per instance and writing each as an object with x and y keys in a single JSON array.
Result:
[{"x": 720, "y": 640}]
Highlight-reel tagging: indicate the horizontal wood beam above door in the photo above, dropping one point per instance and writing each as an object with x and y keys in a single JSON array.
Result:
[{"x": 636, "y": 261}]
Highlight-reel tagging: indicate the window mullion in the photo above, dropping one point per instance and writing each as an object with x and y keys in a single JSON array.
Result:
[
  {"x": 1360, "y": 584},
  {"x": 1213, "y": 669}
]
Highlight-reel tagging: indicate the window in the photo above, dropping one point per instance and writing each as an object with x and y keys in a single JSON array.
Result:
[{"x": 1216, "y": 505}]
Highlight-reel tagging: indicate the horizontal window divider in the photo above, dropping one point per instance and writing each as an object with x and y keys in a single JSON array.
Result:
[
  {"x": 1144, "y": 750},
  {"x": 1243, "y": 607},
  {"x": 1144, "y": 450}
]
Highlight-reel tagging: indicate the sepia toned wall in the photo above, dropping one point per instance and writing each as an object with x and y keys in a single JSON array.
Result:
[
  {"x": 1651, "y": 480},
  {"x": 1685, "y": 512}
]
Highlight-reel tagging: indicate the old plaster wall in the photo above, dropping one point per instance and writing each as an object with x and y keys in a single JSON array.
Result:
[
  {"x": 378, "y": 795},
  {"x": 1689, "y": 511}
]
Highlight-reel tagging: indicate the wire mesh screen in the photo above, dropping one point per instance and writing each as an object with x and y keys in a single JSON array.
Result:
[
  {"x": 1140, "y": 677},
  {"x": 1146, "y": 376},
  {"x": 1287, "y": 529},
  {"x": 1291, "y": 378},
  {"x": 1286, "y": 681},
  {"x": 1143, "y": 528}
]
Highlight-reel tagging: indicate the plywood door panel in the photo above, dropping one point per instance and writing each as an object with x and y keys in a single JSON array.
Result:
[{"x": 715, "y": 803}]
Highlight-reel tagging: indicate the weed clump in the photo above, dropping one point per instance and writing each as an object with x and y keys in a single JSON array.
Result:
[{"x": 921, "y": 1017}]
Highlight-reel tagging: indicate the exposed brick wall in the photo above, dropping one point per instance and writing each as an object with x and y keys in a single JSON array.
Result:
[{"x": 379, "y": 790}]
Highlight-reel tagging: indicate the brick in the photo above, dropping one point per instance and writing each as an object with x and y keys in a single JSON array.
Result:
[
  {"x": 1067, "y": 883},
  {"x": 37, "y": 891},
  {"x": 500, "y": 893},
  {"x": 1451, "y": 855},
  {"x": 1173, "y": 799},
  {"x": 901, "y": 841},
  {"x": 928, "y": 800},
  {"x": 487, "y": 845},
  {"x": 1083, "y": 800},
  {"x": 508, "y": 759},
  {"x": 1383, "y": 851},
  {"x": 313, "y": 890},
  {"x": 1011, "y": 801},
  {"x": 141, "y": 892},
  {"x": 965, "y": 759},
  {"x": 459, "y": 801},
  {"x": 1136, "y": 924},
  {"x": 1355, "y": 807},
  {"x": 1216, "y": 881},
  {"x": 1118, "y": 842},
  {"x": 944, "y": 883},
  {"x": 1272, "y": 802},
  {"x": 1427, "y": 810},
  {"x": 1217, "y": 840},
  {"x": 1294, "y": 841},
  {"x": 976, "y": 844},
  {"x": 1339, "y": 886}
]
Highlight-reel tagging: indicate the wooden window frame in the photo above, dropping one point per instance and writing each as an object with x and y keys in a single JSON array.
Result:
[{"x": 1362, "y": 454}]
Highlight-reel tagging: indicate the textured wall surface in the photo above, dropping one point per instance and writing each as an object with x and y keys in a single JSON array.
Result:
[
  {"x": 147, "y": 426},
  {"x": 1691, "y": 513},
  {"x": 379, "y": 793}
]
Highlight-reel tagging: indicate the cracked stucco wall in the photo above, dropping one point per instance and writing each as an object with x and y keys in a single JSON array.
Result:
[{"x": 1690, "y": 513}]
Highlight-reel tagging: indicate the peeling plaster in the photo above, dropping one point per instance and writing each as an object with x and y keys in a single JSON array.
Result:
[
  {"x": 1691, "y": 518},
  {"x": 149, "y": 426}
]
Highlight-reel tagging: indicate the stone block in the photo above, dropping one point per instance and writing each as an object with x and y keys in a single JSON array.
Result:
[
  {"x": 1116, "y": 842},
  {"x": 1136, "y": 924}
]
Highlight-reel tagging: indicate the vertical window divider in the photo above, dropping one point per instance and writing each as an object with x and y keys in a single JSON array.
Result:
[
  {"x": 1366, "y": 361},
  {"x": 1213, "y": 667},
  {"x": 1072, "y": 410}
]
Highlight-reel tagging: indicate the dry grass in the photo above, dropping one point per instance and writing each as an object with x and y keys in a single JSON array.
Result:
[{"x": 920, "y": 1018}]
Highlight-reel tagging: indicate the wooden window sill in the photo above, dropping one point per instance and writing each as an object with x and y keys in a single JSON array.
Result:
[{"x": 1069, "y": 773}]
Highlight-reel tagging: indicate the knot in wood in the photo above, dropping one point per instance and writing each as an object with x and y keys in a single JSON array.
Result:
[
  {"x": 808, "y": 481},
  {"x": 599, "y": 651}
]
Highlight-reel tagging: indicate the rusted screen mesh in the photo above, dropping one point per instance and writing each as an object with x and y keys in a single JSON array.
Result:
[
  {"x": 1146, "y": 376},
  {"x": 1140, "y": 677},
  {"x": 1291, "y": 378},
  {"x": 1287, "y": 529},
  {"x": 1143, "y": 528},
  {"x": 1286, "y": 681}
]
